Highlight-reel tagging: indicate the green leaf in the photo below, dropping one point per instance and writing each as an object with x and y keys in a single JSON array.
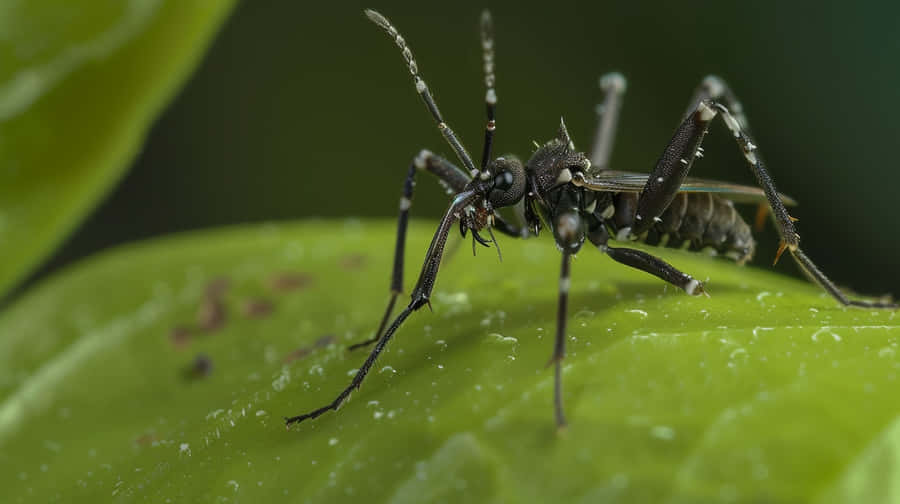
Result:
[
  {"x": 80, "y": 83},
  {"x": 767, "y": 391}
]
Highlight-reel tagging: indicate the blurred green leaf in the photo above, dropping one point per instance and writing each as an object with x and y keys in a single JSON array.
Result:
[
  {"x": 765, "y": 392},
  {"x": 80, "y": 83}
]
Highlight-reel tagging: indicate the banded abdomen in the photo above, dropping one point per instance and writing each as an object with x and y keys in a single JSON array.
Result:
[{"x": 694, "y": 220}]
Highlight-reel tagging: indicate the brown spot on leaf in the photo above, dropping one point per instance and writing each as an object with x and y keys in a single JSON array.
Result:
[
  {"x": 257, "y": 308},
  {"x": 217, "y": 287},
  {"x": 146, "y": 439},
  {"x": 302, "y": 352},
  {"x": 289, "y": 281},
  {"x": 352, "y": 261},
  {"x": 180, "y": 336},
  {"x": 211, "y": 315}
]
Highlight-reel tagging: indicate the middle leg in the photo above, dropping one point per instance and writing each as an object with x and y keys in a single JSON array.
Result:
[{"x": 643, "y": 261}]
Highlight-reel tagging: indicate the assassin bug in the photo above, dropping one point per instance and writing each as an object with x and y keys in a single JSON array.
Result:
[{"x": 578, "y": 198}]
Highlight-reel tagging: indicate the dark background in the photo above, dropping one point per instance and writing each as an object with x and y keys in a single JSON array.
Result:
[{"x": 302, "y": 111}]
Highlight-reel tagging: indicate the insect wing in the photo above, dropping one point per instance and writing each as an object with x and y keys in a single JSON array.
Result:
[{"x": 620, "y": 181}]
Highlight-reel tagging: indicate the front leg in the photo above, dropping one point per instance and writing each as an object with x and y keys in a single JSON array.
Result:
[
  {"x": 420, "y": 297},
  {"x": 454, "y": 180}
]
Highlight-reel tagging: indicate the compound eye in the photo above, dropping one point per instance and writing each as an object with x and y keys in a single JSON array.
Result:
[
  {"x": 503, "y": 180},
  {"x": 509, "y": 183}
]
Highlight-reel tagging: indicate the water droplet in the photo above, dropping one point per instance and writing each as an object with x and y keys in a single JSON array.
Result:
[
  {"x": 333, "y": 441},
  {"x": 388, "y": 369},
  {"x": 663, "y": 432}
]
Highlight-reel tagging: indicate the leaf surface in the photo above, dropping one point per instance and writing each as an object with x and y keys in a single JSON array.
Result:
[{"x": 765, "y": 392}]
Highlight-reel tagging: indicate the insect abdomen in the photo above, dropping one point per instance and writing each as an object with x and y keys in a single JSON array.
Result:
[{"x": 695, "y": 221}]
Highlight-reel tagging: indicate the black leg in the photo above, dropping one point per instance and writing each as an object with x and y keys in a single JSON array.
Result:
[
  {"x": 613, "y": 86},
  {"x": 559, "y": 347},
  {"x": 420, "y": 297},
  {"x": 453, "y": 180},
  {"x": 643, "y": 261},
  {"x": 673, "y": 166},
  {"x": 490, "y": 96}
]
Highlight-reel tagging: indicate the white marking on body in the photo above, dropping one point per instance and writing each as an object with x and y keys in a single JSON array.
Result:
[
  {"x": 751, "y": 157},
  {"x": 587, "y": 164},
  {"x": 659, "y": 180},
  {"x": 691, "y": 287},
  {"x": 638, "y": 217},
  {"x": 565, "y": 176},
  {"x": 491, "y": 97},
  {"x": 714, "y": 86},
  {"x": 657, "y": 219},
  {"x": 732, "y": 124},
  {"x": 405, "y": 203},
  {"x": 421, "y": 88},
  {"x": 683, "y": 161},
  {"x": 564, "y": 284},
  {"x": 622, "y": 234},
  {"x": 485, "y": 175},
  {"x": 608, "y": 212},
  {"x": 421, "y": 160},
  {"x": 613, "y": 82},
  {"x": 590, "y": 208},
  {"x": 706, "y": 112}
]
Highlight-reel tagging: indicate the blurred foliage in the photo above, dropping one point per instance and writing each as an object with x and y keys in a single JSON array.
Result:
[
  {"x": 305, "y": 109},
  {"x": 79, "y": 85},
  {"x": 765, "y": 392}
]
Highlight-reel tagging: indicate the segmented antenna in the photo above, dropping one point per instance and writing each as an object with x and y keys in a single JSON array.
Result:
[
  {"x": 422, "y": 89},
  {"x": 490, "y": 96}
]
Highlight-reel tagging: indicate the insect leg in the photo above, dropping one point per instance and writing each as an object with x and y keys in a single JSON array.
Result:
[
  {"x": 790, "y": 239},
  {"x": 677, "y": 159},
  {"x": 420, "y": 297},
  {"x": 672, "y": 167},
  {"x": 714, "y": 88},
  {"x": 613, "y": 86},
  {"x": 643, "y": 261},
  {"x": 454, "y": 180},
  {"x": 559, "y": 347},
  {"x": 422, "y": 89},
  {"x": 490, "y": 96}
]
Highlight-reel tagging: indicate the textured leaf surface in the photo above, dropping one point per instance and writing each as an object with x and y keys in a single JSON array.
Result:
[
  {"x": 765, "y": 392},
  {"x": 79, "y": 84}
]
